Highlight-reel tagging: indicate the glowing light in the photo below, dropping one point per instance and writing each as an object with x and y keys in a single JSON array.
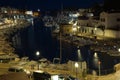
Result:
[
  {"x": 37, "y": 53},
  {"x": 95, "y": 60},
  {"x": 74, "y": 29},
  {"x": 39, "y": 71},
  {"x": 78, "y": 27},
  {"x": 38, "y": 10},
  {"x": 76, "y": 65},
  {"x": 95, "y": 28},
  {"x": 79, "y": 55},
  {"x": 29, "y": 12},
  {"x": 75, "y": 23},
  {"x": 27, "y": 71},
  {"x": 74, "y": 15},
  {"x": 95, "y": 55},
  {"x": 54, "y": 77},
  {"x": 119, "y": 50}
]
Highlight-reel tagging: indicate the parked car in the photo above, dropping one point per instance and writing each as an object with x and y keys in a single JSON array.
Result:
[{"x": 15, "y": 69}]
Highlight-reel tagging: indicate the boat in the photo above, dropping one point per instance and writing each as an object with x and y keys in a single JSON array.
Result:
[
  {"x": 48, "y": 21},
  {"x": 4, "y": 58}
]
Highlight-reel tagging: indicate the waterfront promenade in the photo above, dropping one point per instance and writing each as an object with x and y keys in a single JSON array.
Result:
[{"x": 113, "y": 76}]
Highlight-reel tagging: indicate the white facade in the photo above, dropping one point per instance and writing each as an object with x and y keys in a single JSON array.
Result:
[
  {"x": 110, "y": 20},
  {"x": 107, "y": 33}
]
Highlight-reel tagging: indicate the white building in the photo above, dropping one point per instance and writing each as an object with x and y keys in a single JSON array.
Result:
[
  {"x": 108, "y": 25},
  {"x": 110, "y": 20}
]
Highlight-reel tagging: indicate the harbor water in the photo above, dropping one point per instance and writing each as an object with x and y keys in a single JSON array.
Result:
[{"x": 37, "y": 37}]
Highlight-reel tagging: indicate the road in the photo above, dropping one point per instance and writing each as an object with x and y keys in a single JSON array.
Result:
[{"x": 4, "y": 68}]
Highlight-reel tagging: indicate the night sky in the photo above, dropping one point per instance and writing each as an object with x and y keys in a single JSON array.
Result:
[{"x": 48, "y": 4}]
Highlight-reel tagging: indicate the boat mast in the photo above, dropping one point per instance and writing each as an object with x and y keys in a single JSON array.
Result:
[
  {"x": 60, "y": 47},
  {"x": 61, "y": 35}
]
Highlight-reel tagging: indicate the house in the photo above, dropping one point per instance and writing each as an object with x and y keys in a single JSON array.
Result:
[
  {"x": 111, "y": 20},
  {"x": 66, "y": 29}
]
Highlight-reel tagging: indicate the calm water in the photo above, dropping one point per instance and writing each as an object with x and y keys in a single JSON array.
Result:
[{"x": 39, "y": 38}]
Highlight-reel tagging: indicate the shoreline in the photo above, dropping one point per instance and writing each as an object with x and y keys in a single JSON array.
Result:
[{"x": 7, "y": 33}]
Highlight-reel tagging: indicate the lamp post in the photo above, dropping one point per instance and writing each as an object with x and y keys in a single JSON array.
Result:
[
  {"x": 99, "y": 63},
  {"x": 60, "y": 55},
  {"x": 38, "y": 54},
  {"x": 76, "y": 66}
]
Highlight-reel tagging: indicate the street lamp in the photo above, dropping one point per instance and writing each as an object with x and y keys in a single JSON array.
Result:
[
  {"x": 95, "y": 55},
  {"x": 37, "y": 53},
  {"x": 76, "y": 66},
  {"x": 119, "y": 50},
  {"x": 97, "y": 62}
]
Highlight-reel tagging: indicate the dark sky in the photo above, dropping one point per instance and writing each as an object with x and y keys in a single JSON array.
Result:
[{"x": 48, "y": 4}]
